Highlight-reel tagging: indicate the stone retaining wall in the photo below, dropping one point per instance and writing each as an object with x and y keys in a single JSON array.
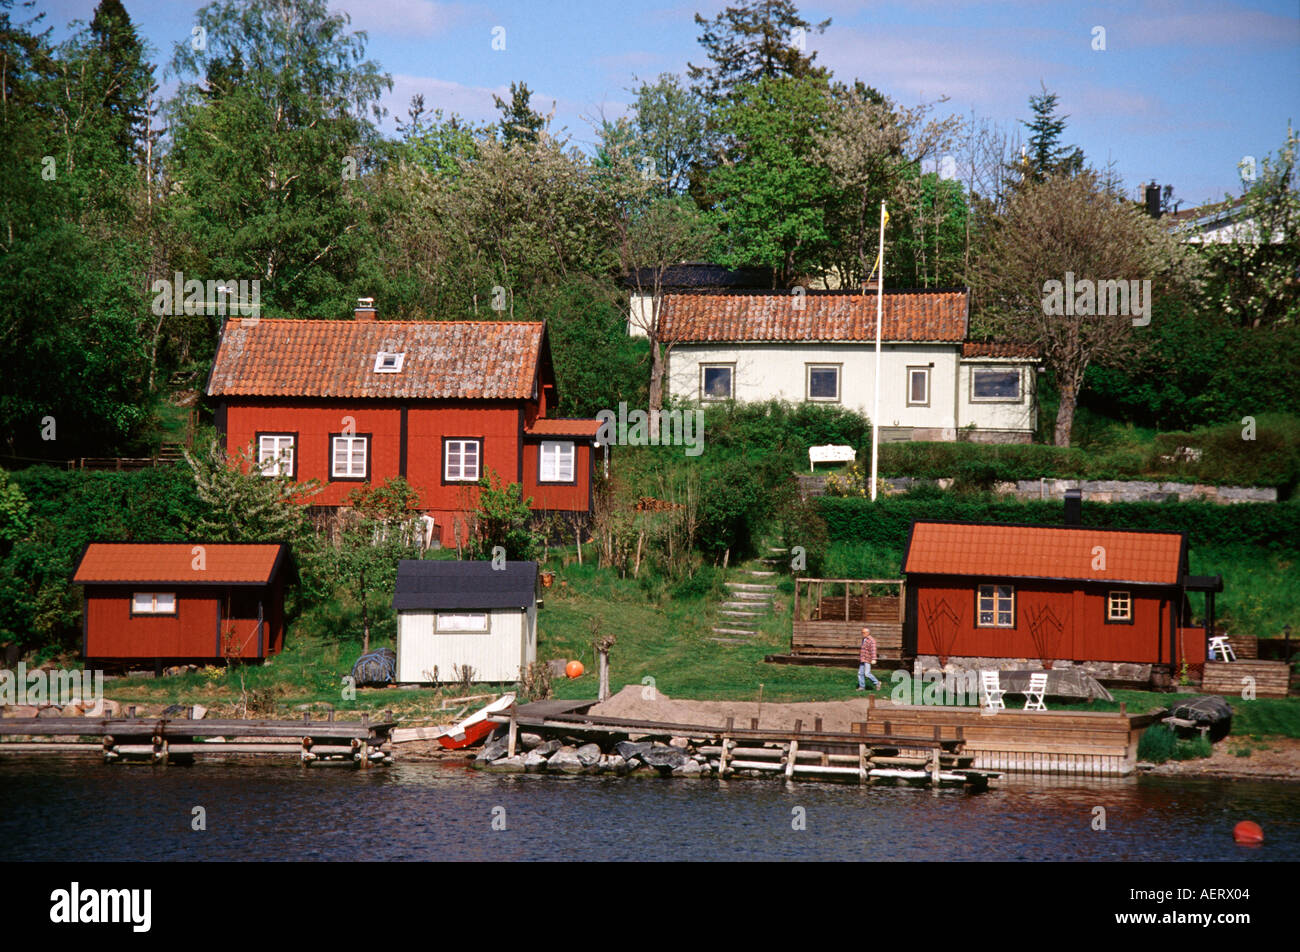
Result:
[
  {"x": 1094, "y": 490},
  {"x": 1101, "y": 670}
]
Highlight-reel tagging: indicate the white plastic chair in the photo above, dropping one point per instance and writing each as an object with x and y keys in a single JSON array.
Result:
[
  {"x": 1224, "y": 647},
  {"x": 1036, "y": 691},
  {"x": 991, "y": 688}
]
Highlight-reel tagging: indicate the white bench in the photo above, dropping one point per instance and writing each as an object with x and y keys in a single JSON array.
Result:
[{"x": 830, "y": 454}]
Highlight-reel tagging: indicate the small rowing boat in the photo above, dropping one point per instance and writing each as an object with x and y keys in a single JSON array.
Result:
[{"x": 477, "y": 726}]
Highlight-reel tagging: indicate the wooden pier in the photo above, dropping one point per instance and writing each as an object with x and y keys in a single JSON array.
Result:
[
  {"x": 158, "y": 740},
  {"x": 797, "y": 754}
]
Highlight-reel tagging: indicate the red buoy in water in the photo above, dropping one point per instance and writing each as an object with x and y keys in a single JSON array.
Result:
[
  {"x": 1248, "y": 833},
  {"x": 574, "y": 669}
]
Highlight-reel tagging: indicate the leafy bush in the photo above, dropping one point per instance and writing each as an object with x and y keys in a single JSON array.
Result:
[
  {"x": 1157, "y": 744},
  {"x": 886, "y": 522}
]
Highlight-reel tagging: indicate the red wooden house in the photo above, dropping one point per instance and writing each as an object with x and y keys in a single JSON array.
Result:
[
  {"x": 174, "y": 602},
  {"x": 979, "y": 595},
  {"x": 439, "y": 403}
]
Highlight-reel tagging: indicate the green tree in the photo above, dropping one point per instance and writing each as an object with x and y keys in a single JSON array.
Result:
[
  {"x": 271, "y": 127},
  {"x": 770, "y": 194},
  {"x": 753, "y": 40},
  {"x": 242, "y": 504},
  {"x": 1073, "y": 224},
  {"x": 1046, "y": 155},
  {"x": 503, "y": 519},
  {"x": 379, "y": 529},
  {"x": 519, "y": 121},
  {"x": 672, "y": 124}
]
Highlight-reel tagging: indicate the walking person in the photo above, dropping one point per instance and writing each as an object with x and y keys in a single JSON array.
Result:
[{"x": 866, "y": 658}]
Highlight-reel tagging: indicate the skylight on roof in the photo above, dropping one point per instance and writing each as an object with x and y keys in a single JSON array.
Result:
[{"x": 387, "y": 362}]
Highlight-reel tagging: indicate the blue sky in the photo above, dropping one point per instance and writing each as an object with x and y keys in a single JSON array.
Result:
[{"x": 1182, "y": 91}]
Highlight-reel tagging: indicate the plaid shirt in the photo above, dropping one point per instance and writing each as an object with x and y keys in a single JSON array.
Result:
[{"x": 868, "y": 653}]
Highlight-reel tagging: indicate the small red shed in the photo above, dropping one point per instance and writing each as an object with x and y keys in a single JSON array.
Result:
[
  {"x": 182, "y": 602},
  {"x": 1100, "y": 598}
]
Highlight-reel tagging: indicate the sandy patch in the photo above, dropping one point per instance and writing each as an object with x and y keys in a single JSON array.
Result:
[{"x": 632, "y": 704}]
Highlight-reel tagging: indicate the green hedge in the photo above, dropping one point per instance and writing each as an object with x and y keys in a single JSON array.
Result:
[{"x": 886, "y": 522}]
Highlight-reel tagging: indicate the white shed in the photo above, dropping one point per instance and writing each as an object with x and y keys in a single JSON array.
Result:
[{"x": 451, "y": 614}]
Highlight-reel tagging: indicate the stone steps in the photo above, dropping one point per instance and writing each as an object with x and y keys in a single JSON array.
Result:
[
  {"x": 734, "y": 631},
  {"x": 751, "y": 586}
]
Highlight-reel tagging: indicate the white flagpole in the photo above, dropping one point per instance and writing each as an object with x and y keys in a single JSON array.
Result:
[{"x": 880, "y": 298}]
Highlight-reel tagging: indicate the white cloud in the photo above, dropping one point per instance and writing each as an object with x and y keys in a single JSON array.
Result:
[{"x": 400, "y": 17}]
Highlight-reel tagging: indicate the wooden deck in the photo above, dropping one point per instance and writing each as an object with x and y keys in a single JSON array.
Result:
[
  {"x": 829, "y": 615},
  {"x": 161, "y": 740},
  {"x": 1074, "y": 743}
]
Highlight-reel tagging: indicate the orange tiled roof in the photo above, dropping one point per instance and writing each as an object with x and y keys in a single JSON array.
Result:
[
  {"x": 949, "y": 548},
  {"x": 974, "y": 348},
  {"x": 444, "y": 359},
  {"x": 174, "y": 562},
  {"x": 563, "y": 428},
  {"x": 824, "y": 316}
]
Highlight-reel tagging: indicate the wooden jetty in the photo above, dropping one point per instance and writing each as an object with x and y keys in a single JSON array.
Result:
[
  {"x": 160, "y": 740},
  {"x": 797, "y": 754},
  {"x": 1067, "y": 743}
]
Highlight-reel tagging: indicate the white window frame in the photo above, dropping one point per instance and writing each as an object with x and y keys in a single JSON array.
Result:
[
  {"x": 352, "y": 441},
  {"x": 160, "y": 603},
  {"x": 383, "y": 365},
  {"x": 731, "y": 381},
  {"x": 1119, "y": 601},
  {"x": 462, "y": 623},
  {"x": 557, "y": 453},
  {"x": 1020, "y": 384},
  {"x": 807, "y": 385},
  {"x": 911, "y": 372},
  {"x": 279, "y": 461},
  {"x": 462, "y": 476},
  {"x": 991, "y": 597}
]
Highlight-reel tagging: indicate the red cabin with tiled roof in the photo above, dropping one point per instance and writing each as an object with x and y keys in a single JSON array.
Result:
[
  {"x": 175, "y": 602},
  {"x": 438, "y": 403},
  {"x": 981, "y": 594}
]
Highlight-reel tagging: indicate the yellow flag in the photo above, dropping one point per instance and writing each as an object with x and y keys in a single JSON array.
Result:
[{"x": 886, "y": 216}]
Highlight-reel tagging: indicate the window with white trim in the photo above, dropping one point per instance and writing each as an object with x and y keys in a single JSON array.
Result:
[
  {"x": 153, "y": 603},
  {"x": 388, "y": 362},
  {"x": 997, "y": 606},
  {"x": 995, "y": 385},
  {"x": 716, "y": 381},
  {"x": 918, "y": 386},
  {"x": 467, "y": 622},
  {"x": 557, "y": 461},
  {"x": 461, "y": 461},
  {"x": 823, "y": 382},
  {"x": 275, "y": 454},
  {"x": 348, "y": 459},
  {"x": 1119, "y": 606}
]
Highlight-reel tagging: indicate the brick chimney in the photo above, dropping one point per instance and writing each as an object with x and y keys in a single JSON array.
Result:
[{"x": 365, "y": 309}]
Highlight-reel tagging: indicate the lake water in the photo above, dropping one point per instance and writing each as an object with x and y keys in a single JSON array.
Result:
[{"x": 65, "y": 808}]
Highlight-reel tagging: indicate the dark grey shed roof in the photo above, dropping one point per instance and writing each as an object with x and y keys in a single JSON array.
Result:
[{"x": 445, "y": 584}]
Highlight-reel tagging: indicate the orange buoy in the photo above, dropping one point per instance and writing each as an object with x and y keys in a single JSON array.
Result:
[
  {"x": 574, "y": 669},
  {"x": 1248, "y": 832}
]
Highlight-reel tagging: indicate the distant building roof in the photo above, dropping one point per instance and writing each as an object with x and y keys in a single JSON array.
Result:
[
  {"x": 707, "y": 316},
  {"x": 1082, "y": 553},
  {"x": 442, "y": 584},
  {"x": 698, "y": 274},
  {"x": 562, "y": 427},
  {"x": 442, "y": 359},
  {"x": 174, "y": 563},
  {"x": 973, "y": 348}
]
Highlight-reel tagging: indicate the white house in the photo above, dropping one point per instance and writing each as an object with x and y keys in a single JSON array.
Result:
[
  {"x": 819, "y": 346},
  {"x": 452, "y": 614}
]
